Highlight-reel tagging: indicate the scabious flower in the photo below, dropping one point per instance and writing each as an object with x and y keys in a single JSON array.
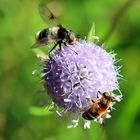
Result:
[{"x": 76, "y": 73}]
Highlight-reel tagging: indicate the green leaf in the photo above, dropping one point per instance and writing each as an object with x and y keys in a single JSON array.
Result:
[
  {"x": 91, "y": 33},
  {"x": 39, "y": 111}
]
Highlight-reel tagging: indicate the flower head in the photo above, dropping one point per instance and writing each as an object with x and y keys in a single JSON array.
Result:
[{"x": 75, "y": 74}]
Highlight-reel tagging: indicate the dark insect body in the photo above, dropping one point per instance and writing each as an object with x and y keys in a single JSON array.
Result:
[{"x": 56, "y": 34}]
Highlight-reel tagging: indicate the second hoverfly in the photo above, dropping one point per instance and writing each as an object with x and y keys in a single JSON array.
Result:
[
  {"x": 99, "y": 108},
  {"x": 56, "y": 34}
]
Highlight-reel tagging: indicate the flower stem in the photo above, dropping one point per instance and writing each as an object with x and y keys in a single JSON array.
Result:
[{"x": 116, "y": 18}]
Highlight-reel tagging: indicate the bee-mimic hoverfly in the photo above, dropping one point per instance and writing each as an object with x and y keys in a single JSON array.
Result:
[
  {"x": 56, "y": 34},
  {"x": 99, "y": 107}
]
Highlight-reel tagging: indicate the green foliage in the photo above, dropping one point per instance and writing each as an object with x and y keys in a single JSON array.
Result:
[
  {"x": 21, "y": 118},
  {"x": 38, "y": 111},
  {"x": 91, "y": 34}
]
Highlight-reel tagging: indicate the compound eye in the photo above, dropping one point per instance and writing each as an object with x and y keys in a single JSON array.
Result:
[
  {"x": 62, "y": 33},
  {"x": 65, "y": 34}
]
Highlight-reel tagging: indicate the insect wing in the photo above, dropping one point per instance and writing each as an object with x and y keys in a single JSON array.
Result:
[
  {"x": 36, "y": 45},
  {"x": 47, "y": 15},
  {"x": 40, "y": 44}
]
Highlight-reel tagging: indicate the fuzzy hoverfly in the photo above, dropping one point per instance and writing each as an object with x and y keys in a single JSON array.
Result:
[
  {"x": 56, "y": 34},
  {"x": 98, "y": 108}
]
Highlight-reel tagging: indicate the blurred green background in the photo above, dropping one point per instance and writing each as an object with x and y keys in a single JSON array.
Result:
[{"x": 117, "y": 23}]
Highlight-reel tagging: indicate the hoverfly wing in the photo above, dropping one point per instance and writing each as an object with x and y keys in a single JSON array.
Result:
[
  {"x": 47, "y": 15},
  {"x": 36, "y": 45}
]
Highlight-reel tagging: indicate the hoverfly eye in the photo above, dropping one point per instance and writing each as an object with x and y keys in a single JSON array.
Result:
[
  {"x": 65, "y": 34},
  {"x": 62, "y": 33}
]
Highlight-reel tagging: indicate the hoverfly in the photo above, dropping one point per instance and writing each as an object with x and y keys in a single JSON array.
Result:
[
  {"x": 56, "y": 34},
  {"x": 99, "y": 108}
]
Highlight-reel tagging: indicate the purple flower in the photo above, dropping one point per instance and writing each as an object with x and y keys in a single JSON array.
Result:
[{"x": 76, "y": 74}]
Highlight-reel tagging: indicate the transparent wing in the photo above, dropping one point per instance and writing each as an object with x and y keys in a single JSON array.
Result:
[
  {"x": 47, "y": 15},
  {"x": 38, "y": 44}
]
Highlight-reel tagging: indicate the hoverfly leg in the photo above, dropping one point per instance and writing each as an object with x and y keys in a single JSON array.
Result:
[
  {"x": 70, "y": 48},
  {"x": 65, "y": 44},
  {"x": 92, "y": 100},
  {"x": 52, "y": 49},
  {"x": 98, "y": 92},
  {"x": 60, "y": 45}
]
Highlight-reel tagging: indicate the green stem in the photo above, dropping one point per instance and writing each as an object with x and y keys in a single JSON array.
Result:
[{"x": 116, "y": 18}]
